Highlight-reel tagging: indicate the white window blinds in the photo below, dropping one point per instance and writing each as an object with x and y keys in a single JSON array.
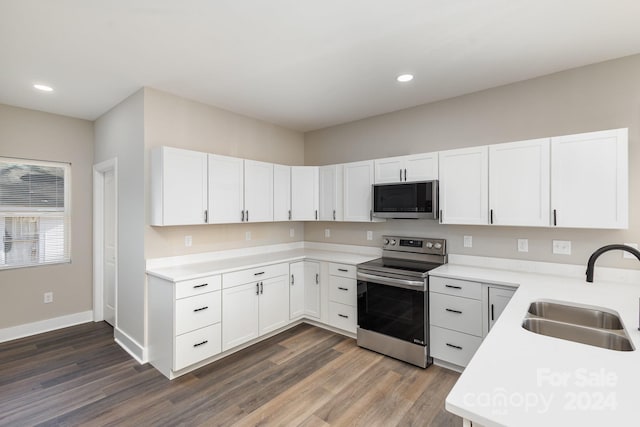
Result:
[{"x": 34, "y": 212}]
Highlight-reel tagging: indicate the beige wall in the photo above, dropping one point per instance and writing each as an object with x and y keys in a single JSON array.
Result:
[
  {"x": 178, "y": 122},
  {"x": 596, "y": 97},
  {"x": 35, "y": 135}
]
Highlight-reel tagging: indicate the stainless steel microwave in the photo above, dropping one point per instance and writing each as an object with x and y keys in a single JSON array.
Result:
[{"x": 405, "y": 200}]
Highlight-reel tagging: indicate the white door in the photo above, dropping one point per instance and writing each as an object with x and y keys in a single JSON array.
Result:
[
  {"x": 519, "y": 183},
  {"x": 226, "y": 189},
  {"x": 109, "y": 248},
  {"x": 312, "y": 289},
  {"x": 421, "y": 167},
  {"x": 498, "y": 300},
  {"x": 389, "y": 169},
  {"x": 258, "y": 191},
  {"x": 464, "y": 186},
  {"x": 239, "y": 315},
  {"x": 281, "y": 193},
  {"x": 589, "y": 180},
  {"x": 296, "y": 290},
  {"x": 304, "y": 193},
  {"x": 274, "y": 304},
  {"x": 358, "y": 178}
]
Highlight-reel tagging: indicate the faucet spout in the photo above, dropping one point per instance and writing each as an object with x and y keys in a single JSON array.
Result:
[{"x": 594, "y": 256}]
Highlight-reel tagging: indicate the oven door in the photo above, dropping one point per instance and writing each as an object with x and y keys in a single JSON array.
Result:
[{"x": 393, "y": 307}]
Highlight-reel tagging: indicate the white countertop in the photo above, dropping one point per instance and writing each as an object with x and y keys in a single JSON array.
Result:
[
  {"x": 196, "y": 270},
  {"x": 519, "y": 378}
]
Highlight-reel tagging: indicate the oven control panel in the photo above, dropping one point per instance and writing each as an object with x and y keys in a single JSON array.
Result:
[{"x": 421, "y": 245}]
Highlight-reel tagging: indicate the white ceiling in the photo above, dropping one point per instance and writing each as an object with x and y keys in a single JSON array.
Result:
[{"x": 299, "y": 63}]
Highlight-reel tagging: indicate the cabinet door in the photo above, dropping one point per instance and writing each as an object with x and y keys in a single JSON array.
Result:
[
  {"x": 519, "y": 183},
  {"x": 330, "y": 193},
  {"x": 498, "y": 300},
  {"x": 304, "y": 193},
  {"x": 358, "y": 178},
  {"x": 258, "y": 191},
  {"x": 421, "y": 167},
  {"x": 464, "y": 186},
  {"x": 226, "y": 189},
  {"x": 178, "y": 186},
  {"x": 281, "y": 193},
  {"x": 312, "y": 289},
  {"x": 274, "y": 304},
  {"x": 239, "y": 315},
  {"x": 389, "y": 170},
  {"x": 589, "y": 180},
  {"x": 296, "y": 289}
]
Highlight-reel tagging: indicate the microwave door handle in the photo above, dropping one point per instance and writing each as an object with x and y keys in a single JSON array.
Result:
[{"x": 398, "y": 283}]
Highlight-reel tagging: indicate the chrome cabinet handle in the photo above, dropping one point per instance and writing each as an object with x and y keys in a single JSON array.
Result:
[
  {"x": 200, "y": 309},
  {"x": 453, "y": 311},
  {"x": 457, "y": 347},
  {"x": 201, "y": 343}
]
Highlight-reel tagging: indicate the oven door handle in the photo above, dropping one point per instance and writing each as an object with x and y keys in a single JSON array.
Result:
[{"x": 398, "y": 283}]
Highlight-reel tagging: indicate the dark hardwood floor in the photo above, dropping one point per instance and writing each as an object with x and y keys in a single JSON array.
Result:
[{"x": 305, "y": 376}]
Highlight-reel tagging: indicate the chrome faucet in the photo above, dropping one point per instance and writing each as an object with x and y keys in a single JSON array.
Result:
[{"x": 594, "y": 256}]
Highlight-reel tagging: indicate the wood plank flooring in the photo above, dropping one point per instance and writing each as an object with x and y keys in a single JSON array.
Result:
[{"x": 305, "y": 376}]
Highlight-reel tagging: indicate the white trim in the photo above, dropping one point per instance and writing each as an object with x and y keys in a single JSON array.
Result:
[
  {"x": 98, "y": 239},
  {"x": 130, "y": 345},
  {"x": 28, "y": 329}
]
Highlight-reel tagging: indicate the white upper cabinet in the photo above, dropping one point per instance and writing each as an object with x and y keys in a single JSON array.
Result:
[
  {"x": 178, "y": 186},
  {"x": 358, "y": 179},
  {"x": 519, "y": 183},
  {"x": 304, "y": 193},
  {"x": 416, "y": 167},
  {"x": 331, "y": 193},
  {"x": 226, "y": 189},
  {"x": 258, "y": 191},
  {"x": 281, "y": 193},
  {"x": 589, "y": 180},
  {"x": 464, "y": 186}
]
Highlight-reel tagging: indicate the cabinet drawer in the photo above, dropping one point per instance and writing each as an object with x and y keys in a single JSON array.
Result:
[
  {"x": 461, "y": 288},
  {"x": 254, "y": 274},
  {"x": 197, "y": 345},
  {"x": 453, "y": 347},
  {"x": 187, "y": 288},
  {"x": 343, "y": 270},
  {"x": 457, "y": 313},
  {"x": 198, "y": 311},
  {"x": 342, "y": 316},
  {"x": 342, "y": 290}
]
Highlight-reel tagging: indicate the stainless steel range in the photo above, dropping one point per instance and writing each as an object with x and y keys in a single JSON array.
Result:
[{"x": 393, "y": 298}]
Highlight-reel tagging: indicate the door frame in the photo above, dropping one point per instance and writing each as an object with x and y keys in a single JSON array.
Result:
[{"x": 99, "y": 171}]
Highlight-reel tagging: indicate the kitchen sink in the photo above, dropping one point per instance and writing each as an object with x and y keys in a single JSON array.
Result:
[
  {"x": 591, "y": 317},
  {"x": 591, "y": 326}
]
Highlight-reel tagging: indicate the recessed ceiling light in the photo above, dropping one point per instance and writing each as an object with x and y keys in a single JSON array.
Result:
[
  {"x": 43, "y": 88},
  {"x": 403, "y": 78}
]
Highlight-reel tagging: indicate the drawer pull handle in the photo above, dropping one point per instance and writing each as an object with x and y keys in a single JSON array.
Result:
[
  {"x": 259, "y": 273},
  {"x": 201, "y": 343},
  {"x": 344, "y": 270},
  {"x": 453, "y": 287},
  {"x": 450, "y": 310},
  {"x": 457, "y": 347},
  {"x": 200, "y": 286},
  {"x": 343, "y": 315},
  {"x": 200, "y": 309},
  {"x": 343, "y": 289}
]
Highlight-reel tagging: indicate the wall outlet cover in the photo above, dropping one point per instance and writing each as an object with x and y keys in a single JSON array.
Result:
[
  {"x": 468, "y": 241},
  {"x": 247, "y": 235},
  {"x": 48, "y": 297},
  {"x": 562, "y": 247},
  {"x": 327, "y": 232},
  {"x": 369, "y": 235},
  {"x": 188, "y": 241},
  {"x": 292, "y": 232},
  {"x": 523, "y": 245},
  {"x": 627, "y": 254}
]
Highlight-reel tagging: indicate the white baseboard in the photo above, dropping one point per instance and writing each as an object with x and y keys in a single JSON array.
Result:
[
  {"x": 131, "y": 346},
  {"x": 34, "y": 328}
]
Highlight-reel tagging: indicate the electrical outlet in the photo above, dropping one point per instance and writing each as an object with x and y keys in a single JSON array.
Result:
[
  {"x": 247, "y": 235},
  {"x": 468, "y": 241},
  {"x": 188, "y": 241},
  {"x": 562, "y": 247},
  {"x": 48, "y": 297},
  {"x": 626, "y": 254},
  {"x": 523, "y": 245},
  {"x": 369, "y": 235},
  {"x": 292, "y": 232},
  {"x": 327, "y": 233}
]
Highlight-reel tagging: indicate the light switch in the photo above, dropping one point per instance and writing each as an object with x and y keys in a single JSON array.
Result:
[
  {"x": 468, "y": 241},
  {"x": 523, "y": 245}
]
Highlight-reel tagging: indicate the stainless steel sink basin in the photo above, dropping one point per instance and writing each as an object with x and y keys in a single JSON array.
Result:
[
  {"x": 585, "y": 335},
  {"x": 591, "y": 317}
]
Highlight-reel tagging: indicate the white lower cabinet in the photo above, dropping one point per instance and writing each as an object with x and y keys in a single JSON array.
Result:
[
  {"x": 453, "y": 346},
  {"x": 342, "y": 297},
  {"x": 197, "y": 345},
  {"x": 239, "y": 314},
  {"x": 304, "y": 289}
]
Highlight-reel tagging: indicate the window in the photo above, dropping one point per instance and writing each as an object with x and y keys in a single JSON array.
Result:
[{"x": 35, "y": 212}]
